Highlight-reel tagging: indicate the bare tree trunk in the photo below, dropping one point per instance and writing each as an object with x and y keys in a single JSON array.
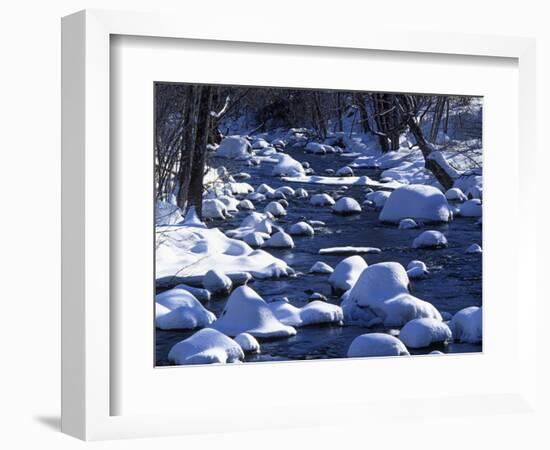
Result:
[{"x": 186, "y": 152}]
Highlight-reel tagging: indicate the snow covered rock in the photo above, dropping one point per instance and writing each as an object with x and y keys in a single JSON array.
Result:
[
  {"x": 382, "y": 291},
  {"x": 474, "y": 248},
  {"x": 234, "y": 147},
  {"x": 248, "y": 343},
  {"x": 346, "y": 206},
  {"x": 345, "y": 171},
  {"x": 418, "y": 202},
  {"x": 301, "y": 229},
  {"x": 321, "y": 200},
  {"x": 279, "y": 240},
  {"x": 246, "y": 205},
  {"x": 212, "y": 208},
  {"x": 315, "y": 312},
  {"x": 376, "y": 344},
  {"x": 231, "y": 203},
  {"x": 264, "y": 189},
  {"x": 217, "y": 282},
  {"x": 286, "y": 190},
  {"x": 179, "y": 309},
  {"x": 347, "y": 272},
  {"x": 416, "y": 269},
  {"x": 239, "y": 188},
  {"x": 317, "y": 296},
  {"x": 455, "y": 194},
  {"x": 201, "y": 295},
  {"x": 242, "y": 176},
  {"x": 424, "y": 332},
  {"x": 206, "y": 346},
  {"x": 430, "y": 239},
  {"x": 255, "y": 238},
  {"x": 301, "y": 193},
  {"x": 276, "y": 209},
  {"x": 316, "y": 148},
  {"x": 260, "y": 143},
  {"x": 471, "y": 208},
  {"x": 407, "y": 224},
  {"x": 247, "y": 312},
  {"x": 377, "y": 198},
  {"x": 348, "y": 250},
  {"x": 287, "y": 167},
  {"x": 466, "y": 325},
  {"x": 255, "y": 197},
  {"x": 321, "y": 267},
  {"x": 278, "y": 143}
]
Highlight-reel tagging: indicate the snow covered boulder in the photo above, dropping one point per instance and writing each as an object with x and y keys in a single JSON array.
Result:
[
  {"x": 471, "y": 208},
  {"x": 217, "y": 282},
  {"x": 301, "y": 229},
  {"x": 248, "y": 343},
  {"x": 287, "y": 167},
  {"x": 286, "y": 190},
  {"x": 231, "y": 203},
  {"x": 276, "y": 209},
  {"x": 382, "y": 291},
  {"x": 418, "y": 202},
  {"x": 255, "y": 239},
  {"x": 278, "y": 143},
  {"x": 466, "y": 325},
  {"x": 264, "y": 189},
  {"x": 455, "y": 194},
  {"x": 345, "y": 171},
  {"x": 247, "y": 312},
  {"x": 255, "y": 197},
  {"x": 376, "y": 344},
  {"x": 206, "y": 346},
  {"x": 424, "y": 332},
  {"x": 279, "y": 240},
  {"x": 346, "y": 206},
  {"x": 430, "y": 239},
  {"x": 234, "y": 147},
  {"x": 416, "y": 269},
  {"x": 246, "y": 205},
  {"x": 301, "y": 193},
  {"x": 212, "y": 208},
  {"x": 347, "y": 272},
  {"x": 321, "y": 267},
  {"x": 474, "y": 248},
  {"x": 377, "y": 198},
  {"x": 315, "y": 312},
  {"x": 260, "y": 143},
  {"x": 202, "y": 295},
  {"x": 321, "y": 200},
  {"x": 179, "y": 309},
  {"x": 407, "y": 224},
  {"x": 316, "y": 148}
]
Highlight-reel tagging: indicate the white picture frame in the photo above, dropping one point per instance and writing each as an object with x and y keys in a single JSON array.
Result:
[{"x": 87, "y": 325}]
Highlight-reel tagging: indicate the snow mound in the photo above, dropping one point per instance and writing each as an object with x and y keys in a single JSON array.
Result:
[
  {"x": 231, "y": 203},
  {"x": 192, "y": 219},
  {"x": 474, "y": 248},
  {"x": 321, "y": 267},
  {"x": 206, "y": 346},
  {"x": 314, "y": 313},
  {"x": 407, "y": 224},
  {"x": 378, "y": 198},
  {"x": 248, "y": 343},
  {"x": 234, "y": 147},
  {"x": 466, "y": 325},
  {"x": 455, "y": 194},
  {"x": 239, "y": 188},
  {"x": 301, "y": 229},
  {"x": 247, "y": 312},
  {"x": 246, "y": 205},
  {"x": 471, "y": 208},
  {"x": 430, "y": 239},
  {"x": 349, "y": 250},
  {"x": 276, "y": 209},
  {"x": 255, "y": 238},
  {"x": 346, "y": 206},
  {"x": 418, "y": 202},
  {"x": 321, "y": 200},
  {"x": 286, "y": 190},
  {"x": 264, "y": 189},
  {"x": 416, "y": 269},
  {"x": 260, "y": 143},
  {"x": 424, "y": 332},
  {"x": 217, "y": 282},
  {"x": 376, "y": 344},
  {"x": 287, "y": 167},
  {"x": 279, "y": 240},
  {"x": 301, "y": 193},
  {"x": 212, "y": 208},
  {"x": 201, "y": 295},
  {"x": 345, "y": 171},
  {"x": 347, "y": 272},
  {"x": 316, "y": 148},
  {"x": 179, "y": 309},
  {"x": 255, "y": 197},
  {"x": 382, "y": 291}
]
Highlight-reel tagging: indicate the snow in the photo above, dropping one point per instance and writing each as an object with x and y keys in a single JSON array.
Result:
[
  {"x": 348, "y": 250},
  {"x": 430, "y": 239},
  {"x": 471, "y": 208},
  {"x": 179, "y": 309},
  {"x": 378, "y": 198},
  {"x": 206, "y": 346},
  {"x": 301, "y": 229},
  {"x": 424, "y": 332},
  {"x": 260, "y": 143},
  {"x": 347, "y": 272},
  {"x": 474, "y": 248},
  {"x": 231, "y": 203},
  {"x": 321, "y": 200},
  {"x": 301, "y": 193},
  {"x": 287, "y": 167},
  {"x": 466, "y": 325},
  {"x": 246, "y": 312},
  {"x": 279, "y": 240},
  {"x": 248, "y": 343},
  {"x": 239, "y": 188},
  {"x": 317, "y": 148},
  {"x": 382, "y": 291},
  {"x": 212, "y": 208},
  {"x": 315, "y": 312},
  {"x": 440, "y": 159},
  {"x": 321, "y": 267},
  {"x": 246, "y": 205},
  {"x": 264, "y": 188},
  {"x": 416, "y": 269},
  {"x": 255, "y": 238},
  {"x": 286, "y": 190},
  {"x": 234, "y": 147},
  {"x": 255, "y": 197},
  {"x": 276, "y": 209},
  {"x": 200, "y": 294},
  {"x": 341, "y": 181},
  {"x": 192, "y": 219},
  {"x": 167, "y": 214},
  {"x": 418, "y": 202},
  {"x": 376, "y": 344},
  {"x": 217, "y": 282},
  {"x": 455, "y": 194},
  {"x": 184, "y": 251},
  {"x": 346, "y": 206},
  {"x": 345, "y": 171},
  {"x": 278, "y": 143},
  {"x": 407, "y": 224}
]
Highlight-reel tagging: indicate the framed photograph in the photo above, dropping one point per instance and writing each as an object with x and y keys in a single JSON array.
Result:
[{"x": 245, "y": 212}]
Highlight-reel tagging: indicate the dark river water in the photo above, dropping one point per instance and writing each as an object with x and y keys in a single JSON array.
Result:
[{"x": 454, "y": 281}]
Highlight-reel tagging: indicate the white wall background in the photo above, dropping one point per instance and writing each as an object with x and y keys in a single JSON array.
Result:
[{"x": 30, "y": 188}]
